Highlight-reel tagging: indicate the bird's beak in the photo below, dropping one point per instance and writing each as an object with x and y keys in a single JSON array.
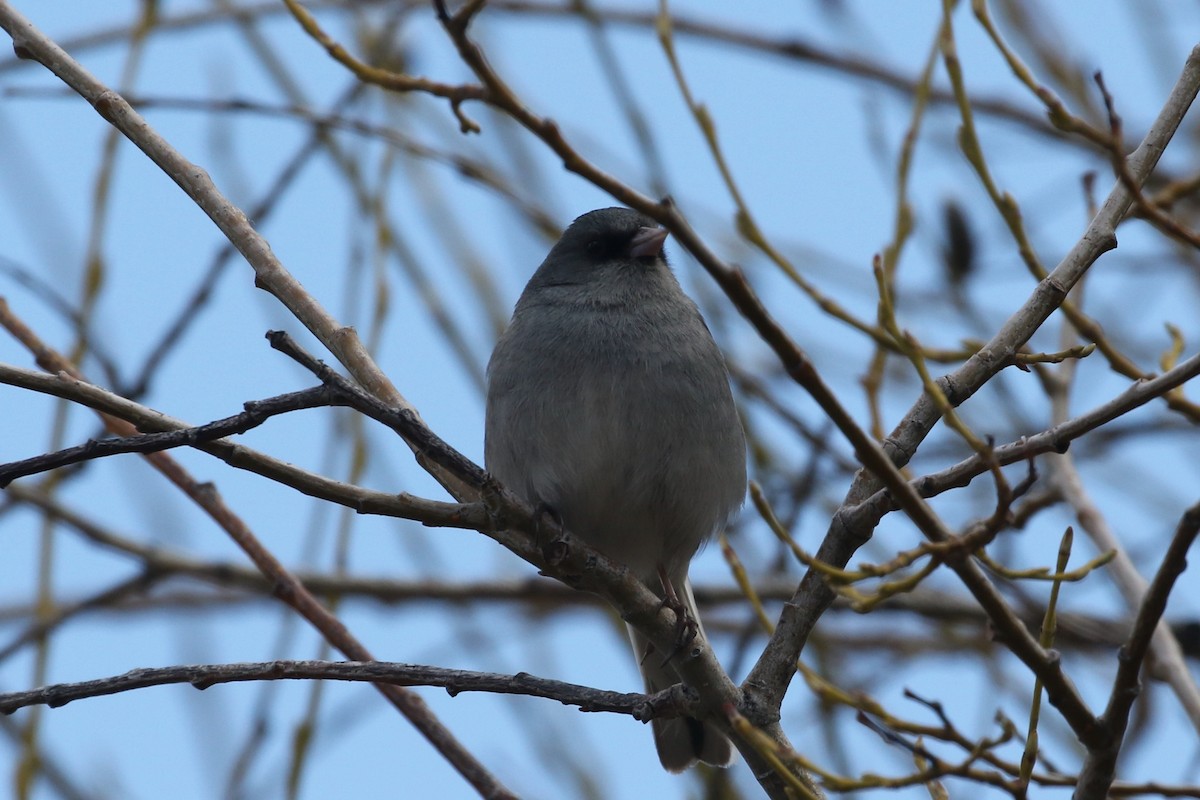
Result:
[{"x": 647, "y": 242}]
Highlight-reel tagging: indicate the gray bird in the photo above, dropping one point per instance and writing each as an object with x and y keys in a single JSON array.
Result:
[{"x": 609, "y": 403}]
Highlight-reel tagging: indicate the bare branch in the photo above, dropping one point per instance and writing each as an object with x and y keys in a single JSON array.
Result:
[
  {"x": 813, "y": 596},
  {"x": 365, "y": 501},
  {"x": 667, "y": 703},
  {"x": 257, "y": 412},
  {"x": 1054, "y": 439},
  {"x": 1099, "y": 768}
]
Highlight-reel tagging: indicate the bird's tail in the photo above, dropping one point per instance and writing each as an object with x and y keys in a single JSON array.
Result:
[{"x": 681, "y": 741}]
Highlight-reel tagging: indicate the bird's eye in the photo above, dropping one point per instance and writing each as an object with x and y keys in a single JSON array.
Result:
[{"x": 593, "y": 245}]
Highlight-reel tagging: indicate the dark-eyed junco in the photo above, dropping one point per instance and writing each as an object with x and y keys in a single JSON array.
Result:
[{"x": 609, "y": 403}]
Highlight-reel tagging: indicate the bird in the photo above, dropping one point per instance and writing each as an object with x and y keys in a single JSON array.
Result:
[{"x": 609, "y": 405}]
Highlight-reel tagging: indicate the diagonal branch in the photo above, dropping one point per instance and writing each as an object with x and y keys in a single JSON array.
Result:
[
  {"x": 257, "y": 412},
  {"x": 1099, "y": 768},
  {"x": 1055, "y": 439},
  {"x": 285, "y": 584},
  {"x": 774, "y": 669},
  {"x": 362, "y": 500},
  {"x": 768, "y": 681},
  {"x": 269, "y": 273}
]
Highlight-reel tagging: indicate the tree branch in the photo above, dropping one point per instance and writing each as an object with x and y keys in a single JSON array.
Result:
[
  {"x": 364, "y": 501},
  {"x": 286, "y": 587},
  {"x": 1099, "y": 768},
  {"x": 774, "y": 668},
  {"x": 668, "y": 703},
  {"x": 269, "y": 272},
  {"x": 1054, "y": 439},
  {"x": 257, "y": 412}
]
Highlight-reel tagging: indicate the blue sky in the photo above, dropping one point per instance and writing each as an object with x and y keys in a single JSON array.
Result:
[{"x": 814, "y": 156}]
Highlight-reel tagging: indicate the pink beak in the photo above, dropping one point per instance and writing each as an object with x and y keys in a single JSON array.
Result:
[{"x": 647, "y": 242}]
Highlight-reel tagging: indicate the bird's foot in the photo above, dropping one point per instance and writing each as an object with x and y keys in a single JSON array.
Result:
[
  {"x": 553, "y": 548},
  {"x": 686, "y": 626}
]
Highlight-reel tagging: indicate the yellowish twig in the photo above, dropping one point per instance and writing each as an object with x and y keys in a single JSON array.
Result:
[
  {"x": 776, "y": 756},
  {"x": 743, "y": 581},
  {"x": 908, "y": 346},
  {"x": 744, "y": 219},
  {"x": 1049, "y": 624},
  {"x": 1043, "y": 574},
  {"x": 1057, "y": 111},
  {"x": 1077, "y": 352},
  {"x": 387, "y": 79}
]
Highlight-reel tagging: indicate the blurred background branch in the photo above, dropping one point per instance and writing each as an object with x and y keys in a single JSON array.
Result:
[{"x": 797, "y": 146}]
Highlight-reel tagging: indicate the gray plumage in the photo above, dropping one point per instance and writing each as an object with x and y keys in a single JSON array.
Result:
[{"x": 609, "y": 402}]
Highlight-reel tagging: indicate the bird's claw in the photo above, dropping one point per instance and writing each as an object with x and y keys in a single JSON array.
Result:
[{"x": 686, "y": 626}]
